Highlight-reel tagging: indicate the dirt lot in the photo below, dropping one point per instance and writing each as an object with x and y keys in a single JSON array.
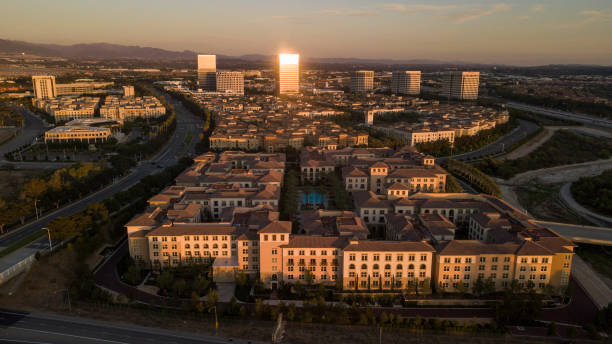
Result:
[{"x": 11, "y": 181}]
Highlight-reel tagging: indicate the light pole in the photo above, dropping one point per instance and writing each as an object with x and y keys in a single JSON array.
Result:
[{"x": 49, "y": 236}]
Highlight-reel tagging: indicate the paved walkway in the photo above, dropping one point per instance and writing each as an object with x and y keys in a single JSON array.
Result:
[{"x": 568, "y": 199}]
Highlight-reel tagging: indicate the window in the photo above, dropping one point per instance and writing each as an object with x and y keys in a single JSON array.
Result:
[
  {"x": 376, "y": 257},
  {"x": 290, "y": 253},
  {"x": 457, "y": 268},
  {"x": 423, "y": 257},
  {"x": 375, "y": 267},
  {"x": 364, "y": 257},
  {"x": 481, "y": 267},
  {"x": 467, "y": 268},
  {"x": 352, "y": 266},
  {"x": 423, "y": 267},
  {"x": 352, "y": 257},
  {"x": 388, "y": 258},
  {"x": 446, "y": 268},
  {"x": 399, "y": 266},
  {"x": 364, "y": 267},
  {"x": 457, "y": 260},
  {"x": 483, "y": 259}
]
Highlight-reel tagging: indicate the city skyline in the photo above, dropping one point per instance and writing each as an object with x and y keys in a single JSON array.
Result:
[{"x": 517, "y": 33}]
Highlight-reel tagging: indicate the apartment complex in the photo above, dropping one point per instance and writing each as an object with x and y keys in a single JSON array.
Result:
[
  {"x": 461, "y": 85},
  {"x": 287, "y": 74},
  {"x": 129, "y": 108},
  {"x": 362, "y": 81},
  {"x": 378, "y": 170},
  {"x": 230, "y": 82},
  {"x": 44, "y": 86},
  {"x": 207, "y": 68},
  {"x": 272, "y": 124},
  {"x": 68, "y": 108},
  {"x": 406, "y": 82},
  {"x": 420, "y": 256},
  {"x": 77, "y": 133}
]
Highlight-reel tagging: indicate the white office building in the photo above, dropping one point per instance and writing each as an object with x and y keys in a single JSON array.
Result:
[
  {"x": 287, "y": 68},
  {"x": 230, "y": 82},
  {"x": 461, "y": 85},
  {"x": 362, "y": 81},
  {"x": 406, "y": 82},
  {"x": 207, "y": 68},
  {"x": 44, "y": 86}
]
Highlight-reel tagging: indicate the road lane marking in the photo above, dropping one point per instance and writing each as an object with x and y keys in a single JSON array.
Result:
[
  {"x": 5, "y": 340},
  {"x": 69, "y": 335}
]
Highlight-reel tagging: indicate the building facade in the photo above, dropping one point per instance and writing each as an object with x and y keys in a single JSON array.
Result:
[
  {"x": 461, "y": 85},
  {"x": 207, "y": 68},
  {"x": 362, "y": 81},
  {"x": 44, "y": 86},
  {"x": 406, "y": 82},
  {"x": 287, "y": 73},
  {"x": 230, "y": 82}
]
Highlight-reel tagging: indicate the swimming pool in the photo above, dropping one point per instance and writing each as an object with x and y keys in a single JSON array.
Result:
[{"x": 313, "y": 198}]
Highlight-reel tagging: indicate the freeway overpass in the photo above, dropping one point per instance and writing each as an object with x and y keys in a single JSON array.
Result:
[{"x": 581, "y": 234}]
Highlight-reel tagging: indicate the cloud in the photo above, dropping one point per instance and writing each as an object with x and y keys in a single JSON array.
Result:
[
  {"x": 348, "y": 13},
  {"x": 522, "y": 18},
  {"x": 593, "y": 15},
  {"x": 462, "y": 17},
  {"x": 416, "y": 8},
  {"x": 537, "y": 8}
]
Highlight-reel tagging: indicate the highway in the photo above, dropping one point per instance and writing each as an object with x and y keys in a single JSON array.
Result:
[
  {"x": 32, "y": 128},
  {"x": 35, "y": 328},
  {"x": 524, "y": 129},
  {"x": 168, "y": 156},
  {"x": 586, "y": 119}
]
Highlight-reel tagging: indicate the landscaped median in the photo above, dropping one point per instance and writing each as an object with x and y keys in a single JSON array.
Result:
[{"x": 21, "y": 243}]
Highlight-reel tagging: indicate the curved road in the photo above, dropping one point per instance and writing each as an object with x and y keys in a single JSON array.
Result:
[
  {"x": 566, "y": 195},
  {"x": 33, "y": 127},
  {"x": 561, "y": 114},
  {"x": 169, "y": 155},
  {"x": 44, "y": 328},
  {"x": 524, "y": 129}
]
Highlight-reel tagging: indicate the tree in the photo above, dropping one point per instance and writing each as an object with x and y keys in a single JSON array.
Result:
[
  {"x": 33, "y": 191},
  {"x": 97, "y": 212},
  {"x": 133, "y": 275},
  {"x": 196, "y": 304},
  {"x": 63, "y": 228},
  {"x": 212, "y": 298},
  {"x": 452, "y": 186},
  {"x": 178, "y": 287},
  {"x": 199, "y": 284},
  {"x": 164, "y": 280}
]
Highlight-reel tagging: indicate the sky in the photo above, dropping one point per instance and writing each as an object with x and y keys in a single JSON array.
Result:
[{"x": 517, "y": 32}]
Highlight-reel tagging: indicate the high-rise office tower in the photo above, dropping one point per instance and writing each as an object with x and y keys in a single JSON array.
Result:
[
  {"x": 44, "y": 86},
  {"x": 207, "y": 69},
  {"x": 287, "y": 70},
  {"x": 461, "y": 85},
  {"x": 362, "y": 81},
  {"x": 406, "y": 82},
  {"x": 230, "y": 82}
]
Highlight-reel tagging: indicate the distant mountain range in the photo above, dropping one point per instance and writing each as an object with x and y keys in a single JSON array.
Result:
[{"x": 117, "y": 51}]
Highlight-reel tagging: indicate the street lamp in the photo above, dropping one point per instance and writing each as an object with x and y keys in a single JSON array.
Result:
[{"x": 49, "y": 236}]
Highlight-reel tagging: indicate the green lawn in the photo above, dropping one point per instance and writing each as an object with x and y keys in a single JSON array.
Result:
[
  {"x": 542, "y": 202},
  {"x": 563, "y": 148}
]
